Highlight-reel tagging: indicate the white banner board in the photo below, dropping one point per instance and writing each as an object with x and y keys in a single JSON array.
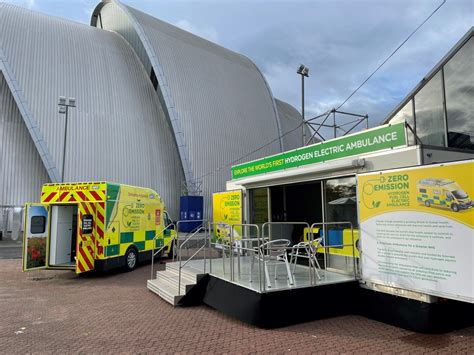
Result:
[{"x": 416, "y": 229}]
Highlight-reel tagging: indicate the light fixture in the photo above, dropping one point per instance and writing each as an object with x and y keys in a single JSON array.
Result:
[{"x": 300, "y": 69}]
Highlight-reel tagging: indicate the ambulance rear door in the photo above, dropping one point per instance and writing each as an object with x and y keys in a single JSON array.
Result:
[{"x": 36, "y": 236}]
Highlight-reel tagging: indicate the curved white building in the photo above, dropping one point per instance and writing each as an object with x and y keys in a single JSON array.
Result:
[{"x": 156, "y": 106}]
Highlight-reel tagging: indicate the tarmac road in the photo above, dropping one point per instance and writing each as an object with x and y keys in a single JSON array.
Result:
[{"x": 10, "y": 249}]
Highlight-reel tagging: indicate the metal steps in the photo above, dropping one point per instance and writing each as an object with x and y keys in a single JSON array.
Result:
[{"x": 166, "y": 283}]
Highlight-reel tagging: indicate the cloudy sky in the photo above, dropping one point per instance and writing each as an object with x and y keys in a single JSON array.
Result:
[{"x": 341, "y": 41}]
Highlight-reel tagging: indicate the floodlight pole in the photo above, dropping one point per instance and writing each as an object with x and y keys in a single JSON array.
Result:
[
  {"x": 303, "y": 135},
  {"x": 64, "y": 146},
  {"x": 303, "y": 71},
  {"x": 63, "y": 109}
]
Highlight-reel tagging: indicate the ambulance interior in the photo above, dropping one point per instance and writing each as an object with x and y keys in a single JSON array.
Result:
[
  {"x": 332, "y": 201},
  {"x": 63, "y": 235}
]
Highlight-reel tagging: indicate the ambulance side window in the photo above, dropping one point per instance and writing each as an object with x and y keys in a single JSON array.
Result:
[
  {"x": 38, "y": 224},
  {"x": 449, "y": 197},
  {"x": 167, "y": 220},
  {"x": 423, "y": 191}
]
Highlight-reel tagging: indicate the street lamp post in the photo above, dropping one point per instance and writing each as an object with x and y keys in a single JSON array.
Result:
[
  {"x": 304, "y": 72},
  {"x": 63, "y": 109}
]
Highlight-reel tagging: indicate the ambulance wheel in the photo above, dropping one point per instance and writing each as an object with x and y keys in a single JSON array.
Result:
[
  {"x": 171, "y": 252},
  {"x": 131, "y": 259},
  {"x": 427, "y": 203},
  {"x": 455, "y": 207}
]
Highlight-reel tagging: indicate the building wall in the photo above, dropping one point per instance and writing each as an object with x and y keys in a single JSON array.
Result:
[
  {"x": 118, "y": 131},
  {"x": 22, "y": 172},
  {"x": 217, "y": 101},
  {"x": 205, "y": 108},
  {"x": 290, "y": 120}
]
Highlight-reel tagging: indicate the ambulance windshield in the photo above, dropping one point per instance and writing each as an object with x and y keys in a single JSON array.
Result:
[{"x": 459, "y": 194}]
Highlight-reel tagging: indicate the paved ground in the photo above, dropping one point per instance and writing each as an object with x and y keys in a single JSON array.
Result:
[{"x": 60, "y": 312}]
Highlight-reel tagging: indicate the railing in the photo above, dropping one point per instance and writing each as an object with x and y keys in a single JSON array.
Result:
[
  {"x": 160, "y": 234},
  {"x": 326, "y": 236},
  {"x": 193, "y": 233},
  {"x": 212, "y": 228},
  {"x": 226, "y": 242},
  {"x": 244, "y": 239},
  {"x": 268, "y": 234},
  {"x": 252, "y": 242}
]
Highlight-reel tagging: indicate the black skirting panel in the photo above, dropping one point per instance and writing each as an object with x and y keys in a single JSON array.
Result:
[
  {"x": 282, "y": 308},
  {"x": 441, "y": 317}
]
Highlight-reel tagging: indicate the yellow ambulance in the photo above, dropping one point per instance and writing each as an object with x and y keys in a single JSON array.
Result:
[
  {"x": 442, "y": 193},
  {"x": 94, "y": 226}
]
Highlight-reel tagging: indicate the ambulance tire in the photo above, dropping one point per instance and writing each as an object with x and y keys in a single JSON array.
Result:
[
  {"x": 171, "y": 252},
  {"x": 427, "y": 203},
  {"x": 455, "y": 207},
  {"x": 131, "y": 259}
]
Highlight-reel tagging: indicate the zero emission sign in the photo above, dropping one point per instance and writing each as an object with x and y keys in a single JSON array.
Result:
[
  {"x": 417, "y": 229},
  {"x": 227, "y": 211},
  {"x": 384, "y": 137}
]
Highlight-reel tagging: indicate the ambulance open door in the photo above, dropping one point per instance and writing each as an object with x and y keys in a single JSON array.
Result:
[
  {"x": 36, "y": 236},
  {"x": 85, "y": 249}
]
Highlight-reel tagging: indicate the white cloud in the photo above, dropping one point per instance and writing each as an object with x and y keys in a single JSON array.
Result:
[{"x": 207, "y": 32}]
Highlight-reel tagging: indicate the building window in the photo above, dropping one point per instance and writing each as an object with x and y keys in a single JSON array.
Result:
[
  {"x": 429, "y": 113},
  {"x": 459, "y": 88},
  {"x": 406, "y": 115}
]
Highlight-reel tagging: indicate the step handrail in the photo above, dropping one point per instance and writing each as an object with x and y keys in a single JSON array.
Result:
[
  {"x": 192, "y": 233},
  {"x": 198, "y": 229},
  {"x": 157, "y": 235}
]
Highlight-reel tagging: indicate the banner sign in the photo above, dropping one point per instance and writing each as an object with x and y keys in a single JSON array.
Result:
[
  {"x": 383, "y": 137},
  {"x": 226, "y": 210},
  {"x": 417, "y": 229}
]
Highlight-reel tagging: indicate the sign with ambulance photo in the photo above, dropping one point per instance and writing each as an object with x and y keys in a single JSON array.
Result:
[{"x": 417, "y": 229}]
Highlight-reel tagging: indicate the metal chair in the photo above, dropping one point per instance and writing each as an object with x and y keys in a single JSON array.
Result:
[
  {"x": 309, "y": 252},
  {"x": 272, "y": 252}
]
